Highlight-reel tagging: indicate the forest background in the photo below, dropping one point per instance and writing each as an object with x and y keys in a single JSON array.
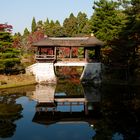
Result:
[{"x": 116, "y": 23}]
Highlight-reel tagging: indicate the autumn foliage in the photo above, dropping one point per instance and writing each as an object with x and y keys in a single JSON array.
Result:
[{"x": 5, "y": 28}]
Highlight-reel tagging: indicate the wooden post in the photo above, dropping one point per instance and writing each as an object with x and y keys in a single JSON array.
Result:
[
  {"x": 70, "y": 52},
  {"x": 86, "y": 108},
  {"x": 53, "y": 50},
  {"x": 97, "y": 53},
  {"x": 55, "y": 53},
  {"x": 86, "y": 54},
  {"x": 37, "y": 51},
  {"x": 40, "y": 51}
]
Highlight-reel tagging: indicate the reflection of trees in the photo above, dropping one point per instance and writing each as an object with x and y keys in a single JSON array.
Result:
[
  {"x": 9, "y": 112},
  {"x": 120, "y": 114},
  {"x": 71, "y": 89},
  {"x": 6, "y": 129}
]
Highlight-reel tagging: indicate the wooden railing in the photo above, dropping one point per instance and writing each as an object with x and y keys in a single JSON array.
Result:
[
  {"x": 45, "y": 57},
  {"x": 52, "y": 58},
  {"x": 71, "y": 59}
]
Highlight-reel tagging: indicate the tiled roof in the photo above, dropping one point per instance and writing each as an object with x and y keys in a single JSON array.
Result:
[{"x": 69, "y": 42}]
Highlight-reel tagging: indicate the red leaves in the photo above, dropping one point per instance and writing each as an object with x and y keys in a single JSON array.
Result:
[
  {"x": 65, "y": 52},
  {"x": 35, "y": 36},
  {"x": 5, "y": 28}
]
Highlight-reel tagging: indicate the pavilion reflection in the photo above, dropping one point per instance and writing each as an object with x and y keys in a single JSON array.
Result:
[{"x": 53, "y": 105}]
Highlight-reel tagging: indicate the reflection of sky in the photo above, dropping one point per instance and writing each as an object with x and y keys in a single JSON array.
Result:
[
  {"x": 71, "y": 131},
  {"x": 73, "y": 108}
]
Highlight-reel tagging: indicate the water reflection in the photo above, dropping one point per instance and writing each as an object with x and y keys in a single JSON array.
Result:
[
  {"x": 114, "y": 115},
  {"x": 70, "y": 111},
  {"x": 120, "y": 113},
  {"x": 9, "y": 112},
  {"x": 61, "y": 104}
]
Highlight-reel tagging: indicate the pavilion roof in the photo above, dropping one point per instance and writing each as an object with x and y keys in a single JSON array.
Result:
[{"x": 69, "y": 42}]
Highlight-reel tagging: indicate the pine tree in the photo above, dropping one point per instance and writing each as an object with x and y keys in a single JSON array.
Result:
[
  {"x": 70, "y": 25},
  {"x": 33, "y": 27},
  {"x": 81, "y": 22},
  {"x": 26, "y": 32},
  {"x": 57, "y": 30},
  {"x": 9, "y": 56},
  {"x": 107, "y": 20}
]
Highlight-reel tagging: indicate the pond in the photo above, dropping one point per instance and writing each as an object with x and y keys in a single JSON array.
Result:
[{"x": 70, "y": 110}]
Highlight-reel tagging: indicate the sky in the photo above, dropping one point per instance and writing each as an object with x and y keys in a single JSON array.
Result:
[{"x": 19, "y": 13}]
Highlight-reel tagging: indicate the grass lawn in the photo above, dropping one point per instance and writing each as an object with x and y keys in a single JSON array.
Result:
[{"x": 9, "y": 81}]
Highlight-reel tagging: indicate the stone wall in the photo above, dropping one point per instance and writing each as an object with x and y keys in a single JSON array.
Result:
[
  {"x": 92, "y": 73},
  {"x": 44, "y": 72}
]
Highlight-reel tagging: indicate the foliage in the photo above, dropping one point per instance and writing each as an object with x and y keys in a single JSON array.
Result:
[
  {"x": 53, "y": 29},
  {"x": 34, "y": 37},
  {"x": 126, "y": 47},
  {"x": 83, "y": 26},
  {"x": 5, "y": 36},
  {"x": 17, "y": 39},
  {"x": 26, "y": 32},
  {"x": 107, "y": 20},
  {"x": 33, "y": 27},
  {"x": 9, "y": 112},
  {"x": 70, "y": 25},
  {"x": 9, "y": 56},
  {"x": 5, "y": 28}
]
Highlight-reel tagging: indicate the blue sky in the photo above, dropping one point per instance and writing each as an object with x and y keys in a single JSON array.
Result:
[{"x": 19, "y": 13}]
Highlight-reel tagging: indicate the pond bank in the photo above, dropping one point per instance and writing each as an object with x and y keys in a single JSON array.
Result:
[{"x": 11, "y": 81}]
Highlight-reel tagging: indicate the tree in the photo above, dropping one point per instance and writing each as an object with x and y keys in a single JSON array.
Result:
[
  {"x": 53, "y": 29},
  {"x": 107, "y": 20},
  {"x": 125, "y": 49},
  {"x": 46, "y": 26},
  {"x": 81, "y": 22},
  {"x": 9, "y": 56},
  {"x": 5, "y": 36},
  {"x": 17, "y": 38},
  {"x": 40, "y": 25},
  {"x": 57, "y": 30},
  {"x": 70, "y": 26},
  {"x": 33, "y": 27},
  {"x": 86, "y": 30},
  {"x": 26, "y": 32}
]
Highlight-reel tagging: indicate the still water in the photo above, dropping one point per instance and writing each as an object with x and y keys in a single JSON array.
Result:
[{"x": 70, "y": 111}]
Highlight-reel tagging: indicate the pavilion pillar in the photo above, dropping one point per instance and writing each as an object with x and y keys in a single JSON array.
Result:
[
  {"x": 53, "y": 50},
  {"x": 86, "y": 54},
  {"x": 97, "y": 53},
  {"x": 55, "y": 53},
  {"x": 39, "y": 50},
  {"x": 70, "y": 52}
]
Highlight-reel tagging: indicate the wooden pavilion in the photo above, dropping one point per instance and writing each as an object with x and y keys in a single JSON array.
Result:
[{"x": 50, "y": 49}]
